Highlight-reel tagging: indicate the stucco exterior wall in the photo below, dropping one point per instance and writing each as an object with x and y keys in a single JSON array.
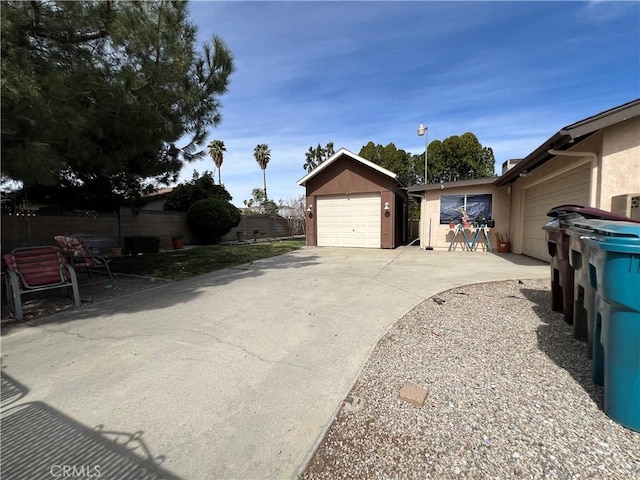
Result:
[
  {"x": 604, "y": 165},
  {"x": 620, "y": 170},
  {"x": 545, "y": 173},
  {"x": 615, "y": 171},
  {"x": 346, "y": 176},
  {"x": 441, "y": 234}
]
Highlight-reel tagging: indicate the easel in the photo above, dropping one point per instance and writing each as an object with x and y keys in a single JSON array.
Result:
[
  {"x": 460, "y": 229},
  {"x": 484, "y": 230}
]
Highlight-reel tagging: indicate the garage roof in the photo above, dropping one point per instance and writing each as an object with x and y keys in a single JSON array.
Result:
[{"x": 353, "y": 156}]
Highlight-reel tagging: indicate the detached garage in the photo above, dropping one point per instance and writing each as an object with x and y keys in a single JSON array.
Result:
[{"x": 352, "y": 202}]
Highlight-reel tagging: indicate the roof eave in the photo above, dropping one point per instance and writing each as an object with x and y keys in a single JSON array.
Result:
[
  {"x": 343, "y": 151},
  {"x": 567, "y": 137},
  {"x": 460, "y": 183},
  {"x": 536, "y": 158}
]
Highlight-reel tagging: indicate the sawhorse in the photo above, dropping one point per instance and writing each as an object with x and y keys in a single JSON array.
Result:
[
  {"x": 484, "y": 230},
  {"x": 460, "y": 229}
]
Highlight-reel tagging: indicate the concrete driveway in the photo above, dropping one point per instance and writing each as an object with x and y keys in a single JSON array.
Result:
[{"x": 233, "y": 374}]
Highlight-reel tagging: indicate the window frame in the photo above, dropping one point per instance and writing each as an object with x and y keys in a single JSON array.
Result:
[{"x": 451, "y": 217}]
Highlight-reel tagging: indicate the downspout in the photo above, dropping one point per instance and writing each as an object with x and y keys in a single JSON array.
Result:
[
  {"x": 595, "y": 172},
  {"x": 421, "y": 225},
  {"x": 509, "y": 223}
]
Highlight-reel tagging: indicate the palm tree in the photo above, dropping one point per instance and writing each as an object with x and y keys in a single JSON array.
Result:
[
  {"x": 315, "y": 156},
  {"x": 262, "y": 153},
  {"x": 216, "y": 150},
  {"x": 310, "y": 160}
]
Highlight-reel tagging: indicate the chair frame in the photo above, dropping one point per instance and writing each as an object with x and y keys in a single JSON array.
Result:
[
  {"x": 79, "y": 255},
  {"x": 34, "y": 269}
]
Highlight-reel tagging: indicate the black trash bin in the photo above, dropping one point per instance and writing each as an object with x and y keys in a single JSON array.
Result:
[
  {"x": 562, "y": 274},
  {"x": 584, "y": 293}
]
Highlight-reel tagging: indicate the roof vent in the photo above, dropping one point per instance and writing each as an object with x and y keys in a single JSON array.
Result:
[{"x": 509, "y": 164}]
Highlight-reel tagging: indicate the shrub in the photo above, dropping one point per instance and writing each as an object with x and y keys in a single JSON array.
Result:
[
  {"x": 135, "y": 244},
  {"x": 212, "y": 218},
  {"x": 186, "y": 194}
]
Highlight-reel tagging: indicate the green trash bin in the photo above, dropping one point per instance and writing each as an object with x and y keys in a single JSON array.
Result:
[
  {"x": 557, "y": 236},
  {"x": 614, "y": 273}
]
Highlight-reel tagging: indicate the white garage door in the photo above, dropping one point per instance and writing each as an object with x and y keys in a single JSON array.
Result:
[
  {"x": 571, "y": 187},
  {"x": 349, "y": 221}
]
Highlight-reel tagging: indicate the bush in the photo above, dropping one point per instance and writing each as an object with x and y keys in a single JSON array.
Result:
[
  {"x": 135, "y": 244},
  {"x": 186, "y": 194},
  {"x": 212, "y": 218}
]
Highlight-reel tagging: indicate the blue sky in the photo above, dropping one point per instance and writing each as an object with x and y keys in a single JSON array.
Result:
[{"x": 513, "y": 73}]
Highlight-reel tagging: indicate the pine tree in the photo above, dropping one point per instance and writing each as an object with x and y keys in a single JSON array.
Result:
[{"x": 97, "y": 94}]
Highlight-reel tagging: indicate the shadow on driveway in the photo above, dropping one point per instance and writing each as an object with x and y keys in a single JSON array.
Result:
[
  {"x": 173, "y": 293},
  {"x": 39, "y": 441},
  {"x": 555, "y": 339},
  {"x": 519, "y": 259}
]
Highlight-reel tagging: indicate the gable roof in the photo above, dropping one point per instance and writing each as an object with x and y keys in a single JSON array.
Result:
[
  {"x": 340, "y": 153},
  {"x": 569, "y": 136}
]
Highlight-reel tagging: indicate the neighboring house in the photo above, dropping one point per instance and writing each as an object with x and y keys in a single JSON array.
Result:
[
  {"x": 352, "y": 202},
  {"x": 594, "y": 162},
  {"x": 156, "y": 200}
]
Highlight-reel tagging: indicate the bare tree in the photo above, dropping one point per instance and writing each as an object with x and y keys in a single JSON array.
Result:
[{"x": 293, "y": 210}]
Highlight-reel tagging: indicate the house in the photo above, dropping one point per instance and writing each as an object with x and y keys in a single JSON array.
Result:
[
  {"x": 593, "y": 162},
  {"x": 155, "y": 201},
  {"x": 352, "y": 202}
]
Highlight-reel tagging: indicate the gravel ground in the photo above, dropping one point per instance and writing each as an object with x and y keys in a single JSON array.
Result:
[
  {"x": 509, "y": 396},
  {"x": 94, "y": 289}
]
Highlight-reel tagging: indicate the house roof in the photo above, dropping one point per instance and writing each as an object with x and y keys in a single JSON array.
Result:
[
  {"x": 158, "y": 193},
  {"x": 340, "y": 153},
  {"x": 570, "y": 135},
  {"x": 459, "y": 183}
]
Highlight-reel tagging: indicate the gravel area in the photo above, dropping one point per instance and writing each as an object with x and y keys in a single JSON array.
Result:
[
  {"x": 509, "y": 396},
  {"x": 94, "y": 289}
]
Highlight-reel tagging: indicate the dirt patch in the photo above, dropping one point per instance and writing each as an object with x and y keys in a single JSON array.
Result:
[{"x": 94, "y": 289}]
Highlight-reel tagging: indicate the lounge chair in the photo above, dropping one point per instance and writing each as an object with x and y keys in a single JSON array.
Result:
[
  {"x": 80, "y": 256},
  {"x": 34, "y": 269}
]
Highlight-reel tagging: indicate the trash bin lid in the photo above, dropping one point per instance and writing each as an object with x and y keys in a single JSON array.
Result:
[
  {"x": 617, "y": 236},
  {"x": 570, "y": 212},
  {"x": 553, "y": 225},
  {"x": 586, "y": 226}
]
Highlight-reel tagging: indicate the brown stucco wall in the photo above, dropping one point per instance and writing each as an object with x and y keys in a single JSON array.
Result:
[
  {"x": 310, "y": 221},
  {"x": 346, "y": 176},
  {"x": 387, "y": 219}
]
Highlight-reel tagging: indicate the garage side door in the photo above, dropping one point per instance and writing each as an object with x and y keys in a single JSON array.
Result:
[
  {"x": 348, "y": 221},
  {"x": 571, "y": 187}
]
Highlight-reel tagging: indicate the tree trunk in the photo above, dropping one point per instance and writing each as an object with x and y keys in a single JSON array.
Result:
[{"x": 264, "y": 178}]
